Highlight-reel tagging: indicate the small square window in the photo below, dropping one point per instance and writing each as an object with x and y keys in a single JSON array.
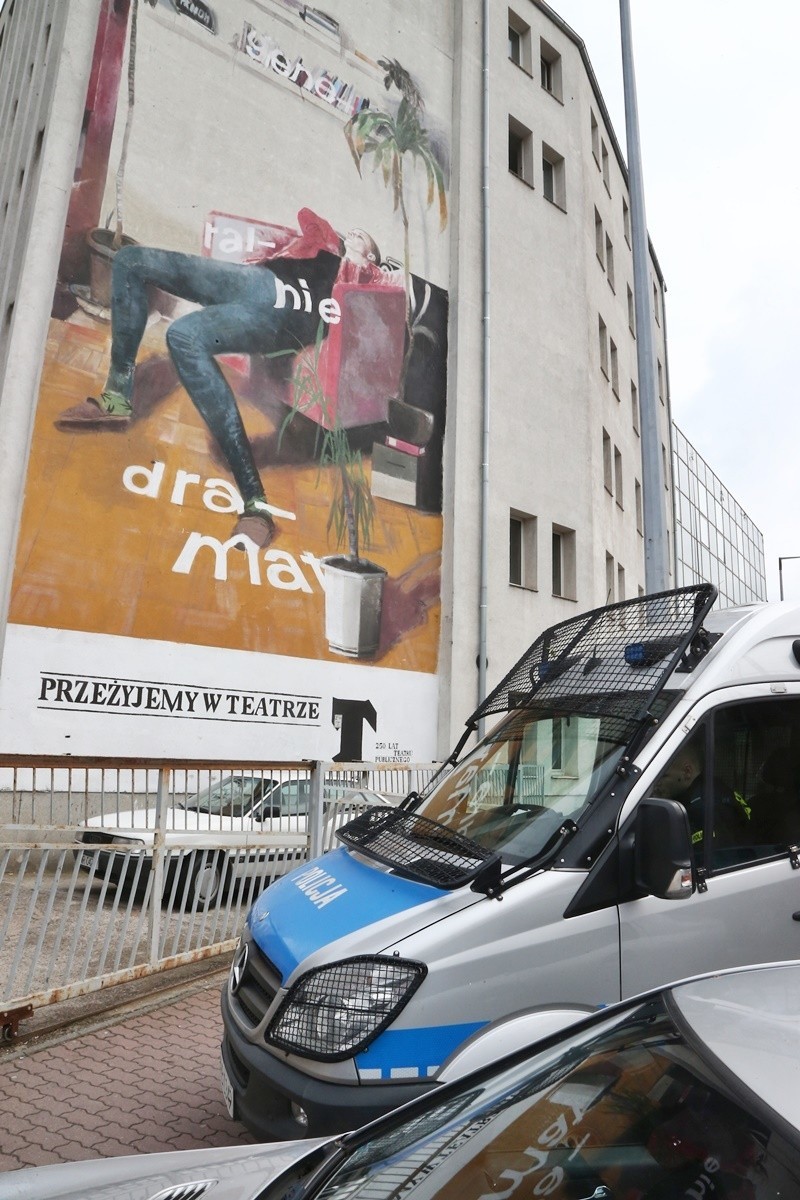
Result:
[
  {"x": 602, "y": 337},
  {"x": 520, "y": 151},
  {"x": 522, "y": 550},
  {"x": 564, "y": 562},
  {"x": 618, "y": 477},
  {"x": 610, "y": 263},
  {"x": 550, "y": 69},
  {"x": 519, "y": 41},
  {"x": 553, "y": 177}
]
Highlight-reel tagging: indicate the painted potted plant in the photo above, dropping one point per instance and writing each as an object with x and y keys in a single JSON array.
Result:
[
  {"x": 395, "y": 141},
  {"x": 353, "y": 584}
]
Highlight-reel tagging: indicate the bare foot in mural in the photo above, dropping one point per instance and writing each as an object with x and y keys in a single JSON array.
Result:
[{"x": 406, "y": 600}]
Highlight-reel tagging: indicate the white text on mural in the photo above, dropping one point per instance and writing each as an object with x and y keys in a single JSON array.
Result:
[{"x": 316, "y": 80}]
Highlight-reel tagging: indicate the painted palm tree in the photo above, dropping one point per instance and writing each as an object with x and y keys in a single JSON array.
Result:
[{"x": 393, "y": 140}]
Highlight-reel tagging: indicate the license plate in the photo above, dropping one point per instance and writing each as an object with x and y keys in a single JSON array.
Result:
[
  {"x": 87, "y": 860},
  {"x": 227, "y": 1091}
]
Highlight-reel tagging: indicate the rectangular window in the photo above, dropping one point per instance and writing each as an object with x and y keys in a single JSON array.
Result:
[
  {"x": 604, "y": 166},
  {"x": 626, "y": 220},
  {"x": 608, "y": 470},
  {"x": 522, "y": 550},
  {"x": 550, "y": 69},
  {"x": 602, "y": 336},
  {"x": 656, "y": 306},
  {"x": 660, "y": 371},
  {"x": 637, "y": 487},
  {"x": 553, "y": 177},
  {"x": 631, "y": 311},
  {"x": 620, "y": 582},
  {"x": 595, "y": 132},
  {"x": 610, "y": 263},
  {"x": 519, "y": 41},
  {"x": 665, "y": 465},
  {"x": 564, "y": 562},
  {"x": 609, "y": 578},
  {"x": 520, "y": 151},
  {"x": 618, "y": 476},
  {"x": 612, "y": 350},
  {"x": 634, "y": 407},
  {"x": 599, "y": 239}
]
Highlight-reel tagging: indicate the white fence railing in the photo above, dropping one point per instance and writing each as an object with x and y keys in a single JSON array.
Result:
[{"x": 108, "y": 873}]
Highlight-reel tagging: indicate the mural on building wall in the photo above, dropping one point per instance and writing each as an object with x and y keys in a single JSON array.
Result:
[{"x": 238, "y": 440}]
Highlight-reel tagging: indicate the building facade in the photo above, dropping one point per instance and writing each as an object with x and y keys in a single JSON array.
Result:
[{"x": 446, "y": 337}]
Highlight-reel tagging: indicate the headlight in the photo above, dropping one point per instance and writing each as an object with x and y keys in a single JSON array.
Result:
[{"x": 333, "y": 1012}]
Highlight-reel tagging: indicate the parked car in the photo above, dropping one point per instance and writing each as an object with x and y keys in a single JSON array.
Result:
[
  {"x": 241, "y": 827},
  {"x": 634, "y": 817},
  {"x": 692, "y": 1090}
]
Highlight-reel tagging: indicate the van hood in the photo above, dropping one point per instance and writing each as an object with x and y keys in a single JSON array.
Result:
[{"x": 339, "y": 896}]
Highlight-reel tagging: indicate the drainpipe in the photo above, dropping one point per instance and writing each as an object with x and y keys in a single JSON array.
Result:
[
  {"x": 656, "y": 578},
  {"x": 486, "y": 316}
]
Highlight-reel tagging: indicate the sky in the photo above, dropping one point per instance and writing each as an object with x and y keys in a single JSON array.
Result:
[{"x": 718, "y": 91}]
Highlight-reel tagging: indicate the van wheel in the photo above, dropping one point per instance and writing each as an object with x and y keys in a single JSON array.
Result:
[{"x": 204, "y": 881}]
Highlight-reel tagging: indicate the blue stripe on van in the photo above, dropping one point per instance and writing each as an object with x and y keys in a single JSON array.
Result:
[
  {"x": 324, "y": 900},
  {"x": 412, "y": 1053}
]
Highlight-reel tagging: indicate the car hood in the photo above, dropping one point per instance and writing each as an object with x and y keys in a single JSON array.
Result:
[
  {"x": 175, "y": 818},
  {"x": 234, "y": 1173}
]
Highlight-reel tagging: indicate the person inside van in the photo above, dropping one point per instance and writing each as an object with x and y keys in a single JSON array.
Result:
[{"x": 683, "y": 779}]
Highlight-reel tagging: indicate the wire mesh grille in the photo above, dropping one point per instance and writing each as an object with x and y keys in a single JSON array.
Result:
[
  {"x": 333, "y": 1011},
  {"x": 620, "y": 656},
  {"x": 416, "y": 847}
]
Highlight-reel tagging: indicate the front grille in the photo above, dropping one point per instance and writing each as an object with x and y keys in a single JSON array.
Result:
[{"x": 259, "y": 986}]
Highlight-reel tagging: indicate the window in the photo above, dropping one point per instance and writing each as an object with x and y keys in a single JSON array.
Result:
[
  {"x": 665, "y": 465},
  {"x": 609, "y": 578},
  {"x": 610, "y": 263},
  {"x": 599, "y": 239},
  {"x": 660, "y": 371},
  {"x": 553, "y": 177},
  {"x": 620, "y": 582},
  {"x": 637, "y": 487},
  {"x": 631, "y": 311},
  {"x": 520, "y": 151},
  {"x": 608, "y": 474},
  {"x": 747, "y": 756},
  {"x": 595, "y": 134},
  {"x": 626, "y": 220},
  {"x": 634, "y": 407},
  {"x": 550, "y": 69},
  {"x": 656, "y": 305},
  {"x": 522, "y": 550},
  {"x": 519, "y": 41},
  {"x": 604, "y": 166},
  {"x": 618, "y": 476},
  {"x": 602, "y": 337},
  {"x": 564, "y": 562},
  {"x": 612, "y": 350},
  {"x": 564, "y": 748}
]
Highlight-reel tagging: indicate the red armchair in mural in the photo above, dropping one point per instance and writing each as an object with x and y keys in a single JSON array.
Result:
[{"x": 361, "y": 358}]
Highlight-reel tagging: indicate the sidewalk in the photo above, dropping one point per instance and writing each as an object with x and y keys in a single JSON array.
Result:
[{"x": 141, "y": 1078}]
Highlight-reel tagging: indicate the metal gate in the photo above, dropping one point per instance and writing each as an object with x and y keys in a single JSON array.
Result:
[{"x": 111, "y": 872}]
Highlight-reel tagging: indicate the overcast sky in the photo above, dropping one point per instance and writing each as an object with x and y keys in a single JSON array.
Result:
[{"x": 719, "y": 101}]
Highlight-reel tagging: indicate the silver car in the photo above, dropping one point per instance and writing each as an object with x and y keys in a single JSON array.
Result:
[{"x": 689, "y": 1091}]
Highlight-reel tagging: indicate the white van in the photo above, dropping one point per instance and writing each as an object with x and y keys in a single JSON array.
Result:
[{"x": 634, "y": 818}]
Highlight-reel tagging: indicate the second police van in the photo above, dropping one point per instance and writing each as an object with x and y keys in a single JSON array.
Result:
[{"x": 633, "y": 818}]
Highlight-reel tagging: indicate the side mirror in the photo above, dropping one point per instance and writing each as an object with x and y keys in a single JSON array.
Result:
[{"x": 663, "y": 849}]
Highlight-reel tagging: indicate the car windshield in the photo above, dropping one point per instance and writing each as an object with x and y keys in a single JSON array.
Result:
[
  {"x": 233, "y": 796},
  {"x": 535, "y": 769},
  {"x": 629, "y": 1110}
]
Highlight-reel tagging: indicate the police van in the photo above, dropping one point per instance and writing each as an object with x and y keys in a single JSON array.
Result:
[{"x": 632, "y": 818}]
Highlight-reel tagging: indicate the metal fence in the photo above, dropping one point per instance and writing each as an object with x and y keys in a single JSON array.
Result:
[{"x": 112, "y": 872}]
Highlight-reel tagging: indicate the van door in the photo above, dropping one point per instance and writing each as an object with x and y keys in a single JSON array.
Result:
[{"x": 738, "y": 774}]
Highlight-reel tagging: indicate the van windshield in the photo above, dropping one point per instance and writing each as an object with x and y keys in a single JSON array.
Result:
[{"x": 535, "y": 769}]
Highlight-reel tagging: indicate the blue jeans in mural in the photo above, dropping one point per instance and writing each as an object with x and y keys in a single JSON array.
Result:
[{"x": 239, "y": 317}]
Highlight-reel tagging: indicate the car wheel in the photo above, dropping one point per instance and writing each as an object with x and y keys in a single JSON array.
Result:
[{"x": 204, "y": 880}]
